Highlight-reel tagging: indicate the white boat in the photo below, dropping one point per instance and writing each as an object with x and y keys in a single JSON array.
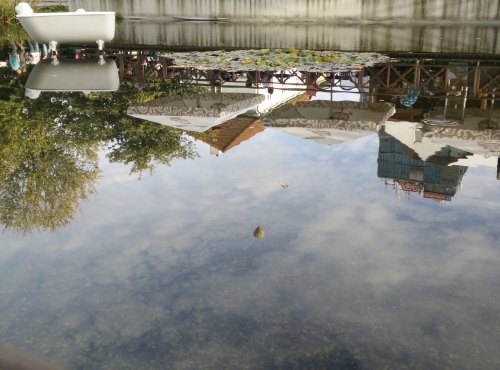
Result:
[{"x": 67, "y": 27}]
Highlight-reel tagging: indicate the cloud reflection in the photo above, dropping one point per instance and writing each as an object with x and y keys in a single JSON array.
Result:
[{"x": 166, "y": 269}]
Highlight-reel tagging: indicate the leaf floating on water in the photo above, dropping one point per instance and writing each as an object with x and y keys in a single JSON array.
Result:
[
  {"x": 283, "y": 184},
  {"x": 259, "y": 232}
]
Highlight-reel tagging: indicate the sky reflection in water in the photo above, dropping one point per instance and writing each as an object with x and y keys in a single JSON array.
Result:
[{"x": 164, "y": 271}]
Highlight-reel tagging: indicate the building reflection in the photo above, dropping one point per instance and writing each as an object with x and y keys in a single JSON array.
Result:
[
  {"x": 433, "y": 178},
  {"x": 443, "y": 119},
  {"x": 232, "y": 133},
  {"x": 439, "y": 103},
  {"x": 428, "y": 77}
]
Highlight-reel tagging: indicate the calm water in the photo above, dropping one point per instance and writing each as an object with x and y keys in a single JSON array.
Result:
[
  {"x": 130, "y": 245},
  {"x": 438, "y": 37}
]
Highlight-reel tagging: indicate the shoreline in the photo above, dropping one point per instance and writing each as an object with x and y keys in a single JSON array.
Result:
[{"x": 53, "y": 2}]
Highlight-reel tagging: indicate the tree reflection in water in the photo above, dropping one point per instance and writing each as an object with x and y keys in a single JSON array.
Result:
[
  {"x": 49, "y": 149},
  {"x": 43, "y": 173}
]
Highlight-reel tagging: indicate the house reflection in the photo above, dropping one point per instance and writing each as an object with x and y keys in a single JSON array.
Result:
[
  {"x": 232, "y": 133},
  {"x": 434, "y": 178},
  {"x": 428, "y": 151}
]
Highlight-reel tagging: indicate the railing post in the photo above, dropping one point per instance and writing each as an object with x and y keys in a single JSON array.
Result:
[
  {"x": 416, "y": 79},
  {"x": 121, "y": 64},
  {"x": 477, "y": 79}
]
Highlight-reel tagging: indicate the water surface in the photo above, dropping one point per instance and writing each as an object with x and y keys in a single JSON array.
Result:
[
  {"x": 163, "y": 271},
  {"x": 128, "y": 244}
]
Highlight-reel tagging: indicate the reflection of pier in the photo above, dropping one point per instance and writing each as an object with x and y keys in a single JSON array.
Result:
[
  {"x": 431, "y": 78},
  {"x": 453, "y": 106}
]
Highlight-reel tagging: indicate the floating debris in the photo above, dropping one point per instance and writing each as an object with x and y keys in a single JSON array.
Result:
[
  {"x": 283, "y": 184},
  {"x": 259, "y": 232},
  {"x": 277, "y": 60}
]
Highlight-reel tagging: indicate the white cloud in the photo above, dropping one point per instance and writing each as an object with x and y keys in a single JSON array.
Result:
[{"x": 338, "y": 253}]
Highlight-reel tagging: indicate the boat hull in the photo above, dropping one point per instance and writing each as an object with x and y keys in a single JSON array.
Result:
[{"x": 69, "y": 27}]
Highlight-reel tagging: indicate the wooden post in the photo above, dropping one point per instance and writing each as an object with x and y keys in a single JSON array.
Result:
[
  {"x": 498, "y": 168},
  {"x": 121, "y": 64},
  {"x": 416, "y": 79},
  {"x": 477, "y": 79}
]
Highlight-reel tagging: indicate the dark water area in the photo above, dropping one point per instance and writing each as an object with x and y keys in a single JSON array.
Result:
[{"x": 275, "y": 209}]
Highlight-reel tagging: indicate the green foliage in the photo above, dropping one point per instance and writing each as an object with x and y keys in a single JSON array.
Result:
[
  {"x": 53, "y": 9},
  {"x": 49, "y": 148},
  {"x": 145, "y": 145},
  {"x": 43, "y": 172},
  {"x": 7, "y": 12},
  {"x": 10, "y": 28},
  {"x": 118, "y": 17}
]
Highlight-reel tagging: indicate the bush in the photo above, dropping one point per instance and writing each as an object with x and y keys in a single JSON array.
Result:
[{"x": 53, "y": 9}]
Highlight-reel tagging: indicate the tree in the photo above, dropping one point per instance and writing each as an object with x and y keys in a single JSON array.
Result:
[
  {"x": 43, "y": 173},
  {"x": 49, "y": 149}
]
